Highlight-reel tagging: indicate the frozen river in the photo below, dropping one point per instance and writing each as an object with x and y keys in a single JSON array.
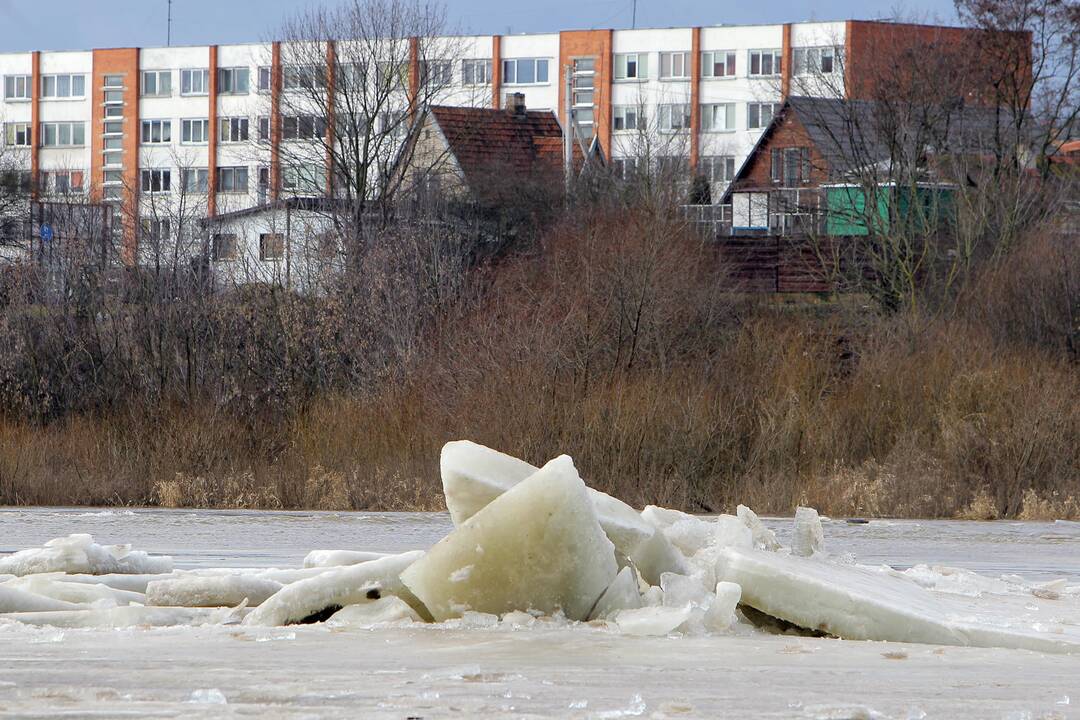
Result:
[{"x": 545, "y": 671}]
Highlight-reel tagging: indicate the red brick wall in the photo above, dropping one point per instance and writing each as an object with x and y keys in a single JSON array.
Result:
[
  {"x": 789, "y": 133},
  {"x": 586, "y": 43}
]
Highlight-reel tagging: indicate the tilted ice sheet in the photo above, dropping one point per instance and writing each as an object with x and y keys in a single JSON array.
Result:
[
  {"x": 220, "y": 591},
  {"x": 858, "y": 603},
  {"x": 79, "y": 553}
]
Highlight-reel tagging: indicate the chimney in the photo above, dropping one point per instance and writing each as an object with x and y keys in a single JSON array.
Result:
[{"x": 516, "y": 104}]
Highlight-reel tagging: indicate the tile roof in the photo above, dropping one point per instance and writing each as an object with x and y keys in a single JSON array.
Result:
[{"x": 484, "y": 138}]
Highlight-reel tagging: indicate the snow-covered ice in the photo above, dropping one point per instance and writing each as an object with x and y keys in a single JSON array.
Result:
[
  {"x": 202, "y": 591},
  {"x": 78, "y": 553},
  {"x": 338, "y": 558}
]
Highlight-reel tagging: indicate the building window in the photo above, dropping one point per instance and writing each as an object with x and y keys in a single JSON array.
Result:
[
  {"x": 271, "y": 246},
  {"x": 624, "y": 168},
  {"x": 112, "y": 159},
  {"x": 63, "y": 182},
  {"x": 264, "y": 183},
  {"x": 233, "y": 81},
  {"x": 231, "y": 130},
  {"x": 759, "y": 115},
  {"x": 17, "y": 87},
  {"x": 156, "y": 131},
  {"x": 156, "y": 181},
  {"x": 765, "y": 63},
  {"x": 195, "y": 180},
  {"x": 475, "y": 72},
  {"x": 628, "y": 117},
  {"x": 674, "y": 65},
  {"x": 114, "y": 128},
  {"x": 435, "y": 73},
  {"x": 303, "y": 178},
  {"x": 302, "y": 127},
  {"x": 17, "y": 134},
  {"x": 194, "y": 82},
  {"x": 157, "y": 230},
  {"x": 157, "y": 83},
  {"x": 790, "y": 166},
  {"x": 223, "y": 246},
  {"x": 114, "y": 111},
  {"x": 63, "y": 134},
  {"x": 264, "y": 129},
  {"x": 194, "y": 131},
  {"x": 63, "y": 86},
  {"x": 525, "y": 71},
  {"x": 817, "y": 60},
  {"x": 232, "y": 180},
  {"x": 718, "y": 168},
  {"x": 674, "y": 117},
  {"x": 632, "y": 66},
  {"x": 302, "y": 77},
  {"x": 266, "y": 75},
  {"x": 718, "y": 64},
  {"x": 718, "y": 117}
]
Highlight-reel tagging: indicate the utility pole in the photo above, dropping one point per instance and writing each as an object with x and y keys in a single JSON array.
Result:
[
  {"x": 568, "y": 128},
  {"x": 168, "y": 27}
]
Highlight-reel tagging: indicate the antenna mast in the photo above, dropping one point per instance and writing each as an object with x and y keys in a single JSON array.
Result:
[
  {"x": 633, "y": 17},
  {"x": 168, "y": 30}
]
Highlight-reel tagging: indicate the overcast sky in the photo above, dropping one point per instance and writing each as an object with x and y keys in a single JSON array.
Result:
[{"x": 80, "y": 24}]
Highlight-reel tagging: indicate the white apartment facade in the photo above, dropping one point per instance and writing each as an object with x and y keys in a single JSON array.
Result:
[{"x": 136, "y": 126}]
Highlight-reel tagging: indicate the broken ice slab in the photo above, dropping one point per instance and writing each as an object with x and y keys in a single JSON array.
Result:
[
  {"x": 80, "y": 554},
  {"x": 857, "y": 603},
  {"x": 16, "y": 600},
  {"x": 538, "y": 546},
  {"x": 808, "y": 536},
  {"x": 130, "y": 616},
  {"x": 621, "y": 594},
  {"x": 338, "y": 558},
  {"x": 56, "y": 586},
  {"x": 219, "y": 591},
  {"x": 377, "y": 612},
  {"x": 317, "y": 598},
  {"x": 652, "y": 620},
  {"x": 473, "y": 475}
]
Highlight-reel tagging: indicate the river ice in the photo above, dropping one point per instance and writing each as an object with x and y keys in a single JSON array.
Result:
[{"x": 523, "y": 666}]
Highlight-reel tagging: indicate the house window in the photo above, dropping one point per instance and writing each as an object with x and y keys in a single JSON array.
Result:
[
  {"x": 194, "y": 81},
  {"x": 223, "y": 246},
  {"x": 157, "y": 83},
  {"x": 156, "y": 131},
  {"x": 63, "y": 182},
  {"x": 232, "y": 179},
  {"x": 674, "y": 117},
  {"x": 63, "y": 134},
  {"x": 673, "y": 166},
  {"x": 475, "y": 72},
  {"x": 718, "y": 117},
  {"x": 17, "y": 87},
  {"x": 718, "y": 168},
  {"x": 195, "y": 180},
  {"x": 271, "y": 246},
  {"x": 790, "y": 166},
  {"x": 759, "y": 115},
  {"x": 817, "y": 60},
  {"x": 194, "y": 131},
  {"x": 435, "y": 73},
  {"x": 765, "y": 63},
  {"x": 718, "y": 64},
  {"x": 155, "y": 229},
  {"x": 628, "y": 117},
  {"x": 63, "y": 86},
  {"x": 17, "y": 134},
  {"x": 303, "y": 127},
  {"x": 264, "y": 183},
  {"x": 624, "y": 168},
  {"x": 632, "y": 66},
  {"x": 303, "y": 178},
  {"x": 302, "y": 77},
  {"x": 392, "y": 123},
  {"x": 266, "y": 74},
  {"x": 231, "y": 130},
  {"x": 674, "y": 65},
  {"x": 156, "y": 181},
  {"x": 525, "y": 71},
  {"x": 233, "y": 81}
]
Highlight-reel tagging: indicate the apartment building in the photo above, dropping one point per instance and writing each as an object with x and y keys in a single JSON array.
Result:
[{"x": 135, "y": 126}]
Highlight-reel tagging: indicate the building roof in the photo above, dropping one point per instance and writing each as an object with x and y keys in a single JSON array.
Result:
[{"x": 483, "y": 138}]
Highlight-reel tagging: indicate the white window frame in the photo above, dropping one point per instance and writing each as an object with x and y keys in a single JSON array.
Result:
[
  {"x": 627, "y": 118},
  {"x": 675, "y": 70},
  {"x": 710, "y": 113},
  {"x": 303, "y": 178},
  {"x": 278, "y": 238},
  {"x": 232, "y": 171},
  {"x": 265, "y": 72},
  {"x": 708, "y": 64},
  {"x": 58, "y": 131},
  {"x": 301, "y": 77},
  {"x": 537, "y": 63},
  {"x": 750, "y": 112},
  {"x": 54, "y": 82},
  {"x": 443, "y": 73},
  {"x": 215, "y": 247},
  {"x": 632, "y": 67},
  {"x": 51, "y": 182},
  {"x": 155, "y": 132},
  {"x": 233, "y": 130},
  {"x": 809, "y": 60},
  {"x": 227, "y": 80},
  {"x": 157, "y": 75},
  {"x": 188, "y": 77},
  {"x": 480, "y": 74},
  {"x": 776, "y": 61},
  {"x": 293, "y": 125},
  {"x": 725, "y": 162},
  {"x": 187, "y": 127},
  {"x": 13, "y": 130},
  {"x": 21, "y": 88},
  {"x": 201, "y": 183},
  {"x": 161, "y": 177},
  {"x": 668, "y": 112}
]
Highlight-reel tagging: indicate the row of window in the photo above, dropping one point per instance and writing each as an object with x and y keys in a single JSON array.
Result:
[
  {"x": 294, "y": 178},
  {"x": 714, "y": 168},
  {"x": 195, "y": 131},
  {"x": 223, "y": 246},
  {"x": 64, "y": 85},
  {"x": 715, "y": 117},
  {"x": 724, "y": 63}
]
